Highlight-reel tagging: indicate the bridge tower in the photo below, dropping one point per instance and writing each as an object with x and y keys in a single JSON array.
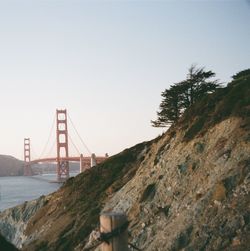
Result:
[
  {"x": 27, "y": 165},
  {"x": 62, "y": 145}
]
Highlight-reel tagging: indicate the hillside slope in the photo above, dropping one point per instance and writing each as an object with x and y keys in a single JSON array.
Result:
[
  {"x": 69, "y": 215},
  {"x": 194, "y": 195},
  {"x": 10, "y": 166},
  {"x": 186, "y": 190}
]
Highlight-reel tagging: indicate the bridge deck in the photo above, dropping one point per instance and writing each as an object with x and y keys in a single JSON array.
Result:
[{"x": 85, "y": 160}]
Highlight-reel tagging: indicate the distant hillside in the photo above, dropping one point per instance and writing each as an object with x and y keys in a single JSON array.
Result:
[
  {"x": 185, "y": 190},
  {"x": 10, "y": 166}
]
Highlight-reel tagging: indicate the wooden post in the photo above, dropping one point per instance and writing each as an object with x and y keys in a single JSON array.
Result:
[
  {"x": 110, "y": 221},
  {"x": 81, "y": 163},
  {"x": 93, "y": 160}
]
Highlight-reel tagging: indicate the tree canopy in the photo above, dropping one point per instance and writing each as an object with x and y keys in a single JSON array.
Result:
[
  {"x": 180, "y": 96},
  {"x": 241, "y": 74}
]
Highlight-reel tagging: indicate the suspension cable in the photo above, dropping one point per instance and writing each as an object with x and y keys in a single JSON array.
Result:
[
  {"x": 50, "y": 134},
  {"x": 79, "y": 136},
  {"x": 33, "y": 152},
  {"x": 52, "y": 147},
  {"x": 74, "y": 145}
]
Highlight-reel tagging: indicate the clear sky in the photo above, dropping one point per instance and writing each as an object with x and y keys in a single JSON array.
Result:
[{"x": 107, "y": 62}]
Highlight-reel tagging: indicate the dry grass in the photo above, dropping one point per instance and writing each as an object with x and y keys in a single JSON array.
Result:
[{"x": 219, "y": 193}]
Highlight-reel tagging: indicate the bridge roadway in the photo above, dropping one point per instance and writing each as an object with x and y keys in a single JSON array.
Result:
[{"x": 85, "y": 160}]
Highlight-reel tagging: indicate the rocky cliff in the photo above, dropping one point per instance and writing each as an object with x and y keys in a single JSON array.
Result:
[
  {"x": 186, "y": 190},
  {"x": 192, "y": 195},
  {"x": 13, "y": 221}
]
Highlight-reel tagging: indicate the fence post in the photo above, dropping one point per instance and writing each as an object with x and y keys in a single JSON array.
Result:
[
  {"x": 93, "y": 160},
  {"x": 109, "y": 221}
]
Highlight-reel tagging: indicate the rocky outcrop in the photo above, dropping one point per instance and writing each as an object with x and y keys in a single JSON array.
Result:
[{"x": 13, "y": 221}]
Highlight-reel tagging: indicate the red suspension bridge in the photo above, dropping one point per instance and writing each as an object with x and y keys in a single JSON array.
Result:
[{"x": 62, "y": 148}]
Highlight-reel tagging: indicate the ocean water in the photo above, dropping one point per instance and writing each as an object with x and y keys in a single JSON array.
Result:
[{"x": 16, "y": 190}]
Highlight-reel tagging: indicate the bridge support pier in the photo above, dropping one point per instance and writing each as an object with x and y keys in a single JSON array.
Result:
[
  {"x": 62, "y": 145},
  {"x": 27, "y": 166}
]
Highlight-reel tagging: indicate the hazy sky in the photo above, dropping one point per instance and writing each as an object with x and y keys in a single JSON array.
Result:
[{"x": 107, "y": 62}]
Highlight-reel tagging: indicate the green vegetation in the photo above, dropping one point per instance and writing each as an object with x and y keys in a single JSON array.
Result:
[
  {"x": 148, "y": 193},
  {"x": 241, "y": 74},
  {"x": 233, "y": 100},
  {"x": 184, "y": 94},
  {"x": 6, "y": 246},
  {"x": 198, "y": 103}
]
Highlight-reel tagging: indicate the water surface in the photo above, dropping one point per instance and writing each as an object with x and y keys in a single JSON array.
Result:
[{"x": 17, "y": 190}]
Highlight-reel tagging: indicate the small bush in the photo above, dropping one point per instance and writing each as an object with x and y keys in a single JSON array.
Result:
[
  {"x": 195, "y": 128},
  {"x": 148, "y": 193}
]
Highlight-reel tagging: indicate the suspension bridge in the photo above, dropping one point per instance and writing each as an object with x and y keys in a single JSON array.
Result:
[{"x": 62, "y": 157}]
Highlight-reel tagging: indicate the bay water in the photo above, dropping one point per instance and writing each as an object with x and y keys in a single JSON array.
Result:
[{"x": 17, "y": 190}]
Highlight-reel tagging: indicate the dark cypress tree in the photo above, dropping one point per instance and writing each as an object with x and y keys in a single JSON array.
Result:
[
  {"x": 197, "y": 84},
  {"x": 170, "y": 107},
  {"x": 182, "y": 95}
]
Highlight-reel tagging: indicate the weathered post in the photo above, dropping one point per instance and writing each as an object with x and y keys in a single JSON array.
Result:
[
  {"x": 81, "y": 163},
  {"x": 93, "y": 160},
  {"x": 115, "y": 226}
]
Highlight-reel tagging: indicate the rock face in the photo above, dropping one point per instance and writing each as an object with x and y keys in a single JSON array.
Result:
[
  {"x": 13, "y": 221},
  {"x": 186, "y": 190},
  {"x": 192, "y": 195}
]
